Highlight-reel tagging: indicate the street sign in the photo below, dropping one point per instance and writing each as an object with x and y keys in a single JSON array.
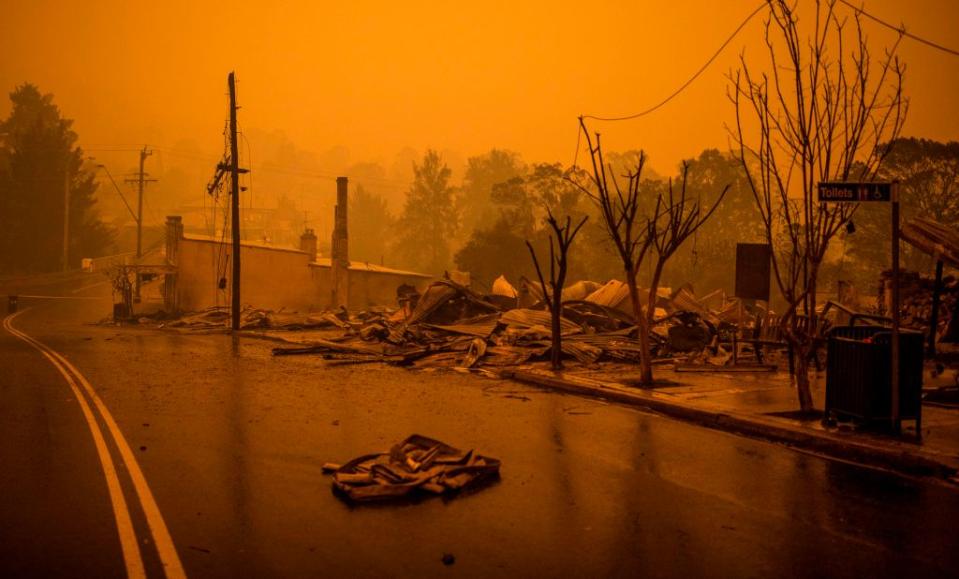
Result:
[{"x": 853, "y": 192}]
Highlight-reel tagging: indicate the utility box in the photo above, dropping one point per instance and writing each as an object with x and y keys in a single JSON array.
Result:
[{"x": 858, "y": 374}]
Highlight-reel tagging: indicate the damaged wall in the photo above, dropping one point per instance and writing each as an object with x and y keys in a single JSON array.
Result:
[
  {"x": 377, "y": 287},
  {"x": 279, "y": 277},
  {"x": 272, "y": 277}
]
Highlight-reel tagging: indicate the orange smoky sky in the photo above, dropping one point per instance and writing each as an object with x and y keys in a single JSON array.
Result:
[{"x": 377, "y": 77}]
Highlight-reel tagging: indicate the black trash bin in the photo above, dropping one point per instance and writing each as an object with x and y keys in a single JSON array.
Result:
[{"x": 858, "y": 374}]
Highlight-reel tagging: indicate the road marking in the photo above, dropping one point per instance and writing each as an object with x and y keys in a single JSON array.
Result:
[
  {"x": 128, "y": 539},
  {"x": 89, "y": 286},
  {"x": 172, "y": 566}
]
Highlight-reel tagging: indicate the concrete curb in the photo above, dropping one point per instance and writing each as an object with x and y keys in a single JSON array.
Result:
[{"x": 917, "y": 462}]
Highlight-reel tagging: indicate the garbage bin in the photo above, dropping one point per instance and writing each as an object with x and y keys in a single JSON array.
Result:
[{"x": 858, "y": 374}]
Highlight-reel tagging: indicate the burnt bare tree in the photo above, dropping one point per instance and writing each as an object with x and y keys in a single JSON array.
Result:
[
  {"x": 627, "y": 227},
  {"x": 823, "y": 110},
  {"x": 560, "y": 240},
  {"x": 675, "y": 218}
]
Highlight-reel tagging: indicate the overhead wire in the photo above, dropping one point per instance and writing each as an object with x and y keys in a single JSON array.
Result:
[
  {"x": 901, "y": 29},
  {"x": 683, "y": 87},
  {"x": 860, "y": 10}
]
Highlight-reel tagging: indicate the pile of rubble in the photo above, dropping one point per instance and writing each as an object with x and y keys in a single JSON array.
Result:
[
  {"x": 450, "y": 325},
  {"x": 916, "y": 302}
]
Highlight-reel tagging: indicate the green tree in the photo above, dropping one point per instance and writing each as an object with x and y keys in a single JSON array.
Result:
[
  {"x": 38, "y": 160},
  {"x": 708, "y": 261},
  {"x": 523, "y": 200},
  {"x": 928, "y": 175},
  {"x": 482, "y": 174},
  {"x": 522, "y": 204},
  {"x": 428, "y": 222},
  {"x": 494, "y": 251},
  {"x": 371, "y": 226}
]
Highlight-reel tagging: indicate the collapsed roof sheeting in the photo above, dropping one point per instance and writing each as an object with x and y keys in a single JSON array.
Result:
[
  {"x": 934, "y": 238},
  {"x": 452, "y": 326}
]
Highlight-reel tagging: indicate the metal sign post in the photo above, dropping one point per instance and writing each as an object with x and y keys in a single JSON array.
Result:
[{"x": 856, "y": 192}]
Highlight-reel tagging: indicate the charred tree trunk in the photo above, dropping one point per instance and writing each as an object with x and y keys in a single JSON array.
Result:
[
  {"x": 802, "y": 351},
  {"x": 558, "y": 266},
  {"x": 645, "y": 365},
  {"x": 654, "y": 291},
  {"x": 556, "y": 342}
]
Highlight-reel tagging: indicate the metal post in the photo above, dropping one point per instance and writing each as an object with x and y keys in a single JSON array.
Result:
[
  {"x": 894, "y": 415},
  {"x": 934, "y": 318},
  {"x": 143, "y": 156},
  {"x": 235, "y": 207}
]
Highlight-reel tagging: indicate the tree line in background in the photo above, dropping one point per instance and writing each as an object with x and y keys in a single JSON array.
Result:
[
  {"x": 40, "y": 167},
  {"x": 481, "y": 224}
]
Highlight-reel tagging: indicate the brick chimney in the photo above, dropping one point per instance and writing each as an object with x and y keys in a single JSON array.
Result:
[
  {"x": 340, "y": 261},
  {"x": 341, "y": 244},
  {"x": 308, "y": 243},
  {"x": 174, "y": 233}
]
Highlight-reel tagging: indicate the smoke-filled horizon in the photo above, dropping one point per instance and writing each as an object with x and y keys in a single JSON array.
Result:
[{"x": 364, "y": 82}]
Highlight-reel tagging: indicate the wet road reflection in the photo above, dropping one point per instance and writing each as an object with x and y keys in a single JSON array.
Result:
[{"x": 235, "y": 438}]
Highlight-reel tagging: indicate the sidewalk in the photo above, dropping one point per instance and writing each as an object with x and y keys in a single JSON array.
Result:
[
  {"x": 757, "y": 404},
  {"x": 760, "y": 404}
]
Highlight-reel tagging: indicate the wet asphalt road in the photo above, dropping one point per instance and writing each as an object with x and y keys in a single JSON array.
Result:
[{"x": 231, "y": 439}]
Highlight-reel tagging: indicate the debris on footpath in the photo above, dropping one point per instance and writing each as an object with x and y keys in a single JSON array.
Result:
[{"x": 417, "y": 465}]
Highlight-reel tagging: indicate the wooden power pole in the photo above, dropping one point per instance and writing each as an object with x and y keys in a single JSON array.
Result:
[
  {"x": 231, "y": 165},
  {"x": 141, "y": 181},
  {"x": 234, "y": 206}
]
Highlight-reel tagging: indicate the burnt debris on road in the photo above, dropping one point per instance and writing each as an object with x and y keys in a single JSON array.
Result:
[{"x": 415, "y": 465}]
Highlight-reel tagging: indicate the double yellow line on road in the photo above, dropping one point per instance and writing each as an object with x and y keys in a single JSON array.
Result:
[{"x": 83, "y": 392}]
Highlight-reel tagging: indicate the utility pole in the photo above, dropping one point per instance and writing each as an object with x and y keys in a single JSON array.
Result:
[
  {"x": 231, "y": 165},
  {"x": 144, "y": 153},
  {"x": 141, "y": 180},
  {"x": 234, "y": 206}
]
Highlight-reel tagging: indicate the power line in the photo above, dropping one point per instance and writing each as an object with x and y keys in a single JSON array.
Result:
[
  {"x": 266, "y": 167},
  {"x": 900, "y": 29},
  {"x": 691, "y": 79}
]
